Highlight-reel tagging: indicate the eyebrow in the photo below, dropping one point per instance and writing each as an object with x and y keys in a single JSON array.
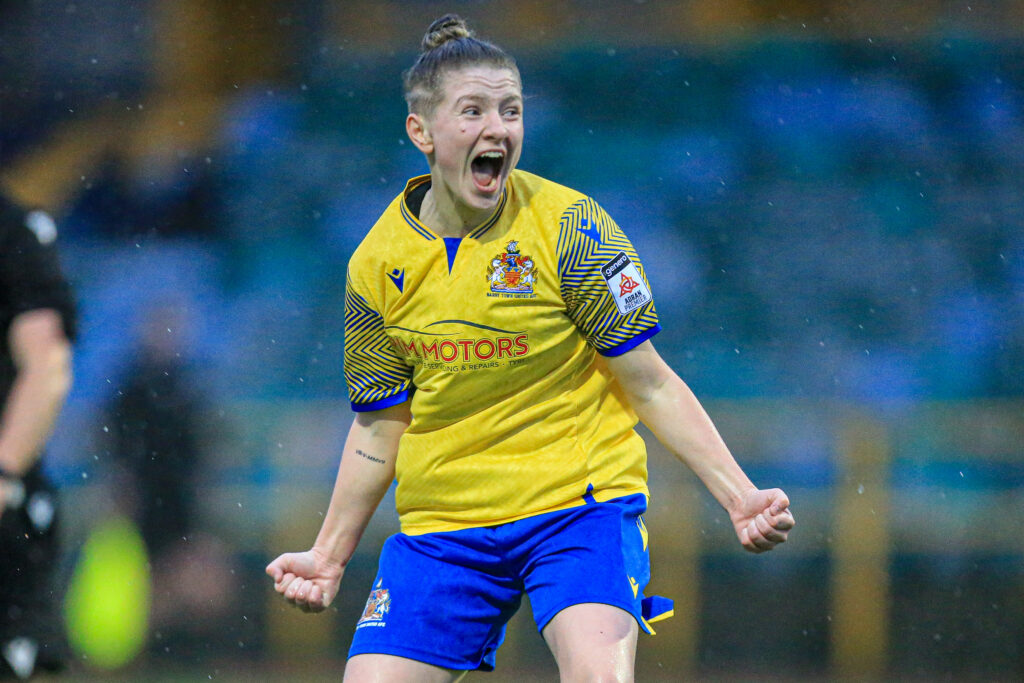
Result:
[{"x": 473, "y": 97}]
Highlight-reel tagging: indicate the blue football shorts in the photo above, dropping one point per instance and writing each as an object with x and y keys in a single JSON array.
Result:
[{"x": 445, "y": 598}]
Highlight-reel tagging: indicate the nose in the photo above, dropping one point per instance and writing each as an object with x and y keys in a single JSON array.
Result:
[{"x": 494, "y": 126}]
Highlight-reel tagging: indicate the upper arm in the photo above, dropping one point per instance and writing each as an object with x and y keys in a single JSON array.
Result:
[
  {"x": 640, "y": 371},
  {"x": 376, "y": 433},
  {"x": 602, "y": 281},
  {"x": 377, "y": 377},
  {"x": 30, "y": 274},
  {"x": 387, "y": 423},
  {"x": 37, "y": 339}
]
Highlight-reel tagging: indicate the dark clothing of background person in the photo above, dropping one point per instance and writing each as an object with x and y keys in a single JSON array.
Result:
[
  {"x": 160, "y": 427},
  {"x": 156, "y": 444},
  {"x": 31, "y": 628}
]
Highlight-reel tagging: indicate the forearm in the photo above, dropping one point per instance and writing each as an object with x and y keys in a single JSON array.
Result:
[
  {"x": 32, "y": 407},
  {"x": 366, "y": 471},
  {"x": 669, "y": 409},
  {"x": 677, "y": 419}
]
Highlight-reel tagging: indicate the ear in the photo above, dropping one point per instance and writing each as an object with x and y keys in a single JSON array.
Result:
[{"x": 416, "y": 127}]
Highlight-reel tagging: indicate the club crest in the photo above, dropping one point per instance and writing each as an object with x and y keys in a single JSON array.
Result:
[
  {"x": 377, "y": 605},
  {"x": 510, "y": 272}
]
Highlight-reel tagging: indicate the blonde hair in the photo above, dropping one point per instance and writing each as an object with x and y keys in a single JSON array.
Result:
[{"x": 448, "y": 45}]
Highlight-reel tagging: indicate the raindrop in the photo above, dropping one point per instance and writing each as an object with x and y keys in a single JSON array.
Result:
[{"x": 860, "y": 488}]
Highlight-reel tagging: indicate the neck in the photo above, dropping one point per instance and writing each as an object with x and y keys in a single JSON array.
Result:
[{"x": 444, "y": 217}]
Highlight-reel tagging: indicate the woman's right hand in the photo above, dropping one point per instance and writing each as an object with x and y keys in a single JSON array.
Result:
[{"x": 307, "y": 580}]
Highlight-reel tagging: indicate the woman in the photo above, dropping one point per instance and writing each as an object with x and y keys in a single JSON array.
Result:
[{"x": 498, "y": 354}]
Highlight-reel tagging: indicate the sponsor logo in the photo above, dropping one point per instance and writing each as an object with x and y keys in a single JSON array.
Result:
[
  {"x": 625, "y": 284},
  {"x": 615, "y": 266},
  {"x": 589, "y": 229},
  {"x": 465, "y": 350},
  {"x": 511, "y": 272},
  {"x": 398, "y": 277},
  {"x": 459, "y": 345},
  {"x": 377, "y": 606}
]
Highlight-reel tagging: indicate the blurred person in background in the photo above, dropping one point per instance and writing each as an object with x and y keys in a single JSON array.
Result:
[
  {"x": 158, "y": 429},
  {"x": 37, "y": 328},
  {"x": 497, "y": 355}
]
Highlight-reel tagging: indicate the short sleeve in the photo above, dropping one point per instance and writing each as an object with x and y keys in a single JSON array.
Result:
[
  {"x": 30, "y": 272},
  {"x": 377, "y": 378},
  {"x": 603, "y": 282}
]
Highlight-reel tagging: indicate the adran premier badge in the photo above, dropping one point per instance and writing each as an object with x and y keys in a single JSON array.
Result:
[{"x": 625, "y": 283}]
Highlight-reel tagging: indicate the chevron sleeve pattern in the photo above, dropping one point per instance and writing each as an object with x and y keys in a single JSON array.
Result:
[{"x": 603, "y": 282}]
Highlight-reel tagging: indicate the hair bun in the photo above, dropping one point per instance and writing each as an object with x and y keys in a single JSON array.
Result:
[{"x": 448, "y": 27}]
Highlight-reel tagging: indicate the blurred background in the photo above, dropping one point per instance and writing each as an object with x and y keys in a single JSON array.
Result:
[{"x": 828, "y": 198}]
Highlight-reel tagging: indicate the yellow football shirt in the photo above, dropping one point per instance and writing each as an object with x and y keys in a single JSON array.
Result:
[{"x": 496, "y": 338}]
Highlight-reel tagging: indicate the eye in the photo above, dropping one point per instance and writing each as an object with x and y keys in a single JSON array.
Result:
[
  {"x": 512, "y": 113},
  {"x": 471, "y": 111}
]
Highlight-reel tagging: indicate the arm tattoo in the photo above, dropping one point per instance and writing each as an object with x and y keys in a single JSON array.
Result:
[{"x": 369, "y": 457}]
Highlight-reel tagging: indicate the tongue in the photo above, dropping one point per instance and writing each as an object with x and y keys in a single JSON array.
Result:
[{"x": 484, "y": 173}]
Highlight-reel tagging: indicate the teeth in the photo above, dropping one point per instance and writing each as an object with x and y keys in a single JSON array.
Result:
[{"x": 492, "y": 155}]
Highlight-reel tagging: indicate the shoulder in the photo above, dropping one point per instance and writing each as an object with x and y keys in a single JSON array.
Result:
[
  {"x": 27, "y": 243},
  {"x": 563, "y": 206},
  {"x": 381, "y": 238},
  {"x": 12, "y": 222},
  {"x": 26, "y": 232},
  {"x": 543, "y": 193}
]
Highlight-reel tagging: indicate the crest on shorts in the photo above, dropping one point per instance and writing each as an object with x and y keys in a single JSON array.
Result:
[
  {"x": 511, "y": 272},
  {"x": 377, "y": 605}
]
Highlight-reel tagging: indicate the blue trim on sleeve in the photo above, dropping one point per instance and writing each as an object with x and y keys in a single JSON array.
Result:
[
  {"x": 451, "y": 245},
  {"x": 381, "y": 404},
  {"x": 632, "y": 343}
]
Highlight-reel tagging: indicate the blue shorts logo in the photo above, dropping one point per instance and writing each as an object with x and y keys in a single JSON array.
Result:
[{"x": 377, "y": 605}]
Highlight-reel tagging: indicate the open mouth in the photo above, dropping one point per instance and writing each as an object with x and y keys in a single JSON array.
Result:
[{"x": 487, "y": 168}]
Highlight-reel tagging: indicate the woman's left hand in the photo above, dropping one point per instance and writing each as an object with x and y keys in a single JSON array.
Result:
[{"x": 762, "y": 520}]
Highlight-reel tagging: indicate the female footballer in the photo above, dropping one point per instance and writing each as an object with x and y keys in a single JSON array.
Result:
[{"x": 498, "y": 357}]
